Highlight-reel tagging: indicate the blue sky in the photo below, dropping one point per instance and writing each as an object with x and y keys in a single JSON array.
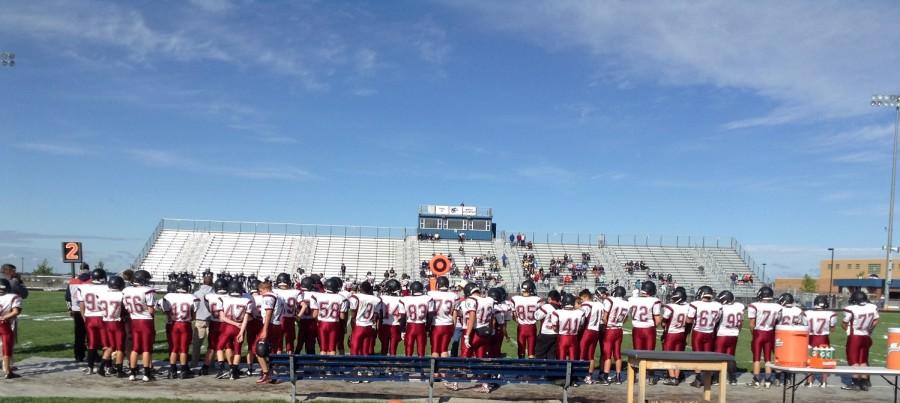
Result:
[{"x": 745, "y": 120}]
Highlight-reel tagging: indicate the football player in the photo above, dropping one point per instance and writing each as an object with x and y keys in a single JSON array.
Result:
[
  {"x": 10, "y": 308},
  {"x": 502, "y": 315},
  {"x": 416, "y": 306},
  {"x": 111, "y": 303},
  {"x": 615, "y": 311},
  {"x": 479, "y": 328},
  {"x": 292, "y": 298},
  {"x": 442, "y": 303},
  {"x": 675, "y": 330},
  {"x": 328, "y": 309},
  {"x": 729, "y": 330},
  {"x": 524, "y": 306},
  {"x": 254, "y": 324},
  {"x": 309, "y": 329},
  {"x": 860, "y": 319},
  {"x": 567, "y": 322},
  {"x": 365, "y": 309},
  {"x": 88, "y": 300},
  {"x": 821, "y": 322},
  {"x": 271, "y": 308},
  {"x": 704, "y": 315},
  {"x": 181, "y": 307},
  {"x": 233, "y": 316},
  {"x": 645, "y": 310},
  {"x": 790, "y": 314},
  {"x": 346, "y": 291},
  {"x": 587, "y": 347},
  {"x": 391, "y": 318},
  {"x": 545, "y": 346},
  {"x": 139, "y": 302},
  {"x": 763, "y": 315},
  {"x": 213, "y": 303}
]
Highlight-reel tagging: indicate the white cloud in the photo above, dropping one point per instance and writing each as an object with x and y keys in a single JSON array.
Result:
[
  {"x": 61, "y": 148},
  {"x": 172, "y": 160},
  {"x": 547, "y": 172},
  {"x": 814, "y": 60},
  {"x": 431, "y": 41},
  {"x": 610, "y": 176},
  {"x": 861, "y": 157}
]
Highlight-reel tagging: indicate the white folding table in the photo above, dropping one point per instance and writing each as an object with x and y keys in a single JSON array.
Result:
[{"x": 883, "y": 372}]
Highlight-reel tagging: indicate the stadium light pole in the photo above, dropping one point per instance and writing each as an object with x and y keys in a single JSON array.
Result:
[
  {"x": 891, "y": 101},
  {"x": 831, "y": 269},
  {"x": 764, "y": 274}
]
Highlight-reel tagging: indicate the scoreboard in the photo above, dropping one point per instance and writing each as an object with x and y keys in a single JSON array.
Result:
[{"x": 449, "y": 222}]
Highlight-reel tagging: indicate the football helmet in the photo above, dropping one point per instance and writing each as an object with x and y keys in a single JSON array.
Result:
[
  {"x": 220, "y": 286},
  {"x": 765, "y": 292},
  {"x": 98, "y": 276},
  {"x": 858, "y": 298},
  {"x": 307, "y": 284},
  {"x": 705, "y": 292},
  {"x": 553, "y": 295},
  {"x": 786, "y": 299},
  {"x": 263, "y": 348},
  {"x": 679, "y": 295},
  {"x": 365, "y": 287},
  {"x": 619, "y": 292},
  {"x": 821, "y": 301},
  {"x": 116, "y": 283},
  {"x": 725, "y": 297},
  {"x": 392, "y": 287},
  {"x": 332, "y": 285},
  {"x": 183, "y": 285},
  {"x": 170, "y": 287},
  {"x": 495, "y": 294},
  {"x": 254, "y": 285},
  {"x": 5, "y": 287},
  {"x": 142, "y": 277},
  {"x": 528, "y": 286},
  {"x": 283, "y": 280},
  {"x": 443, "y": 283},
  {"x": 416, "y": 288},
  {"x": 601, "y": 292},
  {"x": 470, "y": 288},
  {"x": 568, "y": 300},
  {"x": 648, "y": 287},
  {"x": 235, "y": 289}
]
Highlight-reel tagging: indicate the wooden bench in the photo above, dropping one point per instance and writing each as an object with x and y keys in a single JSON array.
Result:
[
  {"x": 645, "y": 361},
  {"x": 291, "y": 368}
]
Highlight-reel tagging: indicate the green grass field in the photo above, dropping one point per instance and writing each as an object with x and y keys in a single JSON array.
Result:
[{"x": 46, "y": 331}]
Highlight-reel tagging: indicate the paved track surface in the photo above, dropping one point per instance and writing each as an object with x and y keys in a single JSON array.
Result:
[{"x": 52, "y": 377}]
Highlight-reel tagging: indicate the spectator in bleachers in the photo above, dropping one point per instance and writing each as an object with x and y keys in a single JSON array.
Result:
[
  {"x": 734, "y": 279},
  {"x": 504, "y": 259},
  {"x": 394, "y": 274},
  {"x": 701, "y": 269},
  {"x": 461, "y": 237},
  {"x": 343, "y": 270},
  {"x": 512, "y": 240}
]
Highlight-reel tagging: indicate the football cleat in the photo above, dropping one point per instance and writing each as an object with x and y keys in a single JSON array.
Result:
[
  {"x": 767, "y": 384},
  {"x": 852, "y": 386},
  {"x": 588, "y": 380},
  {"x": 696, "y": 383},
  {"x": 145, "y": 378},
  {"x": 670, "y": 382},
  {"x": 12, "y": 375},
  {"x": 485, "y": 388},
  {"x": 204, "y": 370},
  {"x": 754, "y": 383},
  {"x": 132, "y": 378},
  {"x": 452, "y": 386}
]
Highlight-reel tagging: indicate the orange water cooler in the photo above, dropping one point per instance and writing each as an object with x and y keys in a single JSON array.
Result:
[
  {"x": 791, "y": 345},
  {"x": 893, "y": 348}
]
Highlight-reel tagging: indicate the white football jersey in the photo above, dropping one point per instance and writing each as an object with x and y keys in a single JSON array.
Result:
[
  {"x": 181, "y": 306},
  {"x": 416, "y": 308},
  {"x": 524, "y": 308},
  {"x": 483, "y": 308},
  {"x": 234, "y": 308},
  {"x": 368, "y": 309},
  {"x": 732, "y": 319},
  {"x": 543, "y": 314},
  {"x": 503, "y": 312},
  {"x": 270, "y": 302},
  {"x": 617, "y": 309},
  {"x": 860, "y": 319},
  {"x": 138, "y": 301},
  {"x": 391, "y": 312},
  {"x": 89, "y": 295},
  {"x": 705, "y": 315},
  {"x": 643, "y": 311},
  {"x": 460, "y": 316},
  {"x": 8, "y": 302},
  {"x": 442, "y": 303},
  {"x": 292, "y": 298},
  {"x": 767, "y": 315},
  {"x": 675, "y": 316},
  {"x": 110, "y": 302},
  {"x": 308, "y": 297},
  {"x": 792, "y": 315},
  {"x": 821, "y": 321},
  {"x": 567, "y": 322},
  {"x": 213, "y": 303},
  {"x": 254, "y": 309},
  {"x": 330, "y": 306},
  {"x": 593, "y": 311}
]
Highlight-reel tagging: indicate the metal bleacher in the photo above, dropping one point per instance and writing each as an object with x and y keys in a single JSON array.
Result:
[{"x": 268, "y": 249}]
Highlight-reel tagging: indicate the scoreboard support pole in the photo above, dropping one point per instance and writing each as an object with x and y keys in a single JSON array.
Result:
[{"x": 73, "y": 269}]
